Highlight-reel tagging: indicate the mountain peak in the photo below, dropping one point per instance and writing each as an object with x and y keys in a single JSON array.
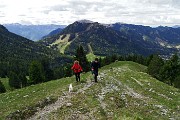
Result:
[{"x": 85, "y": 21}]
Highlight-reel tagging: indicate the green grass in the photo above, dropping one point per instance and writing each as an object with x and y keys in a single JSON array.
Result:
[
  {"x": 63, "y": 46},
  {"x": 91, "y": 56},
  {"x": 138, "y": 103},
  {"x": 30, "y": 96},
  {"x": 124, "y": 92}
]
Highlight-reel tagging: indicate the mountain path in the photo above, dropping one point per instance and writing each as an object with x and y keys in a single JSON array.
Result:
[
  {"x": 42, "y": 114},
  {"x": 108, "y": 83}
]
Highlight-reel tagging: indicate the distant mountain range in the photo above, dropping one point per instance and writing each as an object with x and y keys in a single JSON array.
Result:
[
  {"x": 118, "y": 38},
  {"x": 17, "y": 48},
  {"x": 176, "y": 26},
  {"x": 53, "y": 33},
  {"x": 32, "y": 32},
  {"x": 96, "y": 38}
]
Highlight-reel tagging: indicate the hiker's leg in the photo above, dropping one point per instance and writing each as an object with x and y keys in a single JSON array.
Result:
[
  {"x": 76, "y": 77},
  {"x": 79, "y": 76},
  {"x": 95, "y": 78},
  {"x": 95, "y": 75}
]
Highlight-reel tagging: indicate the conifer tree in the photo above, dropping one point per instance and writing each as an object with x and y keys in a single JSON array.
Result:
[
  {"x": 155, "y": 65},
  {"x": 67, "y": 70},
  {"x": 23, "y": 80},
  {"x": 177, "y": 81},
  {"x": 58, "y": 72},
  {"x": 114, "y": 58},
  {"x": 2, "y": 73},
  {"x": 81, "y": 57},
  {"x": 2, "y": 88},
  {"x": 107, "y": 60},
  {"x": 47, "y": 71},
  {"x": 36, "y": 73},
  {"x": 14, "y": 80},
  {"x": 170, "y": 70}
]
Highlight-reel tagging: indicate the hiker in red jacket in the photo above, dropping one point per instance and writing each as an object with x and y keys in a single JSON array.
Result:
[{"x": 77, "y": 70}]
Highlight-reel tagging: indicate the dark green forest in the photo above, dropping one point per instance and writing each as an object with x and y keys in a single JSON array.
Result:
[{"x": 40, "y": 71}]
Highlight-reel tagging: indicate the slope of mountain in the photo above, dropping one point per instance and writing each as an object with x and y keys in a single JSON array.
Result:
[
  {"x": 16, "y": 48},
  {"x": 124, "y": 92},
  {"x": 176, "y": 26},
  {"x": 32, "y": 32},
  {"x": 111, "y": 39},
  {"x": 54, "y": 32},
  {"x": 164, "y": 36}
]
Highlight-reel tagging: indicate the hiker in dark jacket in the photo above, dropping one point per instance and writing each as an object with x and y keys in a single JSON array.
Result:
[
  {"x": 77, "y": 70},
  {"x": 94, "y": 67}
]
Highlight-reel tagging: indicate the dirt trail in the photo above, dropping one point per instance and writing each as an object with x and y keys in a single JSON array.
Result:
[
  {"x": 116, "y": 90},
  {"x": 42, "y": 114},
  {"x": 111, "y": 85}
]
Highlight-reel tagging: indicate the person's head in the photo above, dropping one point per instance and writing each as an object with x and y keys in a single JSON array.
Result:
[
  {"x": 96, "y": 59},
  {"x": 76, "y": 62}
]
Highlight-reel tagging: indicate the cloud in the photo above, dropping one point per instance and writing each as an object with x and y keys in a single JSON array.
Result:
[
  {"x": 147, "y": 12},
  {"x": 2, "y": 6},
  {"x": 76, "y": 7}
]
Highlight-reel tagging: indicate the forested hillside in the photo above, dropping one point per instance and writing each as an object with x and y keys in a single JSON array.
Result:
[{"x": 17, "y": 52}]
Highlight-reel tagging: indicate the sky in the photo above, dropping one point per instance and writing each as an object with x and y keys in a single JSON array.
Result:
[{"x": 64, "y": 12}]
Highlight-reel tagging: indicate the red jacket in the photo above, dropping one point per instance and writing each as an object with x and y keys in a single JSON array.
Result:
[{"x": 76, "y": 68}]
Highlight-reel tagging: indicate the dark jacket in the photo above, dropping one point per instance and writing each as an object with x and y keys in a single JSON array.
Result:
[{"x": 94, "y": 67}]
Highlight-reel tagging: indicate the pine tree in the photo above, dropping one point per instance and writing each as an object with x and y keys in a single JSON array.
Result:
[
  {"x": 155, "y": 65},
  {"x": 107, "y": 60},
  {"x": 173, "y": 71},
  {"x": 148, "y": 59},
  {"x": 36, "y": 73},
  {"x": 114, "y": 58},
  {"x": 177, "y": 81},
  {"x": 2, "y": 88},
  {"x": 67, "y": 70},
  {"x": 58, "y": 72},
  {"x": 14, "y": 80},
  {"x": 3, "y": 70},
  {"x": 2, "y": 73},
  {"x": 81, "y": 57},
  {"x": 23, "y": 79},
  {"x": 164, "y": 72},
  {"x": 47, "y": 71}
]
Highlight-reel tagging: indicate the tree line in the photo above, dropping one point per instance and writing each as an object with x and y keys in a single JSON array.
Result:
[
  {"x": 39, "y": 71},
  {"x": 167, "y": 71}
]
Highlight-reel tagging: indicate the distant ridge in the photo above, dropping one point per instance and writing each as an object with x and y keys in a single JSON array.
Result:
[
  {"x": 176, "y": 26},
  {"x": 32, "y": 32},
  {"x": 118, "y": 38},
  {"x": 17, "y": 48}
]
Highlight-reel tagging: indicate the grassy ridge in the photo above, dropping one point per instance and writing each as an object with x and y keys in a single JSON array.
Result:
[
  {"x": 124, "y": 91},
  {"x": 29, "y": 96}
]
